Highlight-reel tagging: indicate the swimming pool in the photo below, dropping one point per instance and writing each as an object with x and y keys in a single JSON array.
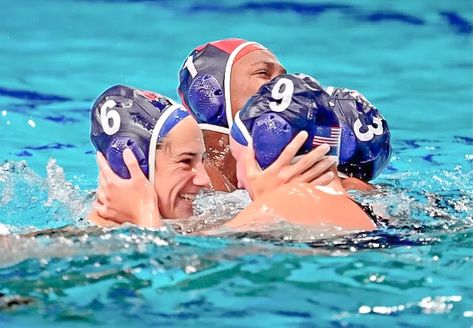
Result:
[{"x": 411, "y": 59}]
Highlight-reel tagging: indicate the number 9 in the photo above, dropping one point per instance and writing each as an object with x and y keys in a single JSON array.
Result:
[
  {"x": 110, "y": 120},
  {"x": 285, "y": 96}
]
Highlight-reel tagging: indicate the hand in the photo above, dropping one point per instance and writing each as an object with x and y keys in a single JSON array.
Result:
[
  {"x": 313, "y": 168},
  {"x": 126, "y": 200}
]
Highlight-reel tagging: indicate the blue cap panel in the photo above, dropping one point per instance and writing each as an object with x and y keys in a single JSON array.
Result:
[
  {"x": 283, "y": 107},
  {"x": 353, "y": 128},
  {"x": 125, "y": 117},
  {"x": 366, "y": 146}
]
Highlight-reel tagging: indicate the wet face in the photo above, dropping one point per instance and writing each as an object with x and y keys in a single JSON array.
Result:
[
  {"x": 250, "y": 73},
  {"x": 180, "y": 172}
]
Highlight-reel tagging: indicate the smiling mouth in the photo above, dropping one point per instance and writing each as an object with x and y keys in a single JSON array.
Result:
[{"x": 188, "y": 197}]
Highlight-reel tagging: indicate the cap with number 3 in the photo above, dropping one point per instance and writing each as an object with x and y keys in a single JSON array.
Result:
[{"x": 366, "y": 141}]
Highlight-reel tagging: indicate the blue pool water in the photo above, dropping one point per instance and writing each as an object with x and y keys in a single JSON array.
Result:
[{"x": 412, "y": 59}]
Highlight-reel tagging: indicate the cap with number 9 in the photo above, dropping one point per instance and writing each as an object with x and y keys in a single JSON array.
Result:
[
  {"x": 355, "y": 131},
  {"x": 283, "y": 107}
]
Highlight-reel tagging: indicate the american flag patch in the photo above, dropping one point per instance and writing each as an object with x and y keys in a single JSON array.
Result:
[
  {"x": 149, "y": 94},
  {"x": 156, "y": 99},
  {"x": 328, "y": 135}
]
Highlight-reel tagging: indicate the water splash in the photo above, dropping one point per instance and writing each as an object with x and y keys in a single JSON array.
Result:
[{"x": 30, "y": 201}]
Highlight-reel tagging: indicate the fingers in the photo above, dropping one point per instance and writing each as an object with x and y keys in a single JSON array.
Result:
[
  {"x": 290, "y": 151},
  {"x": 132, "y": 164},
  {"x": 104, "y": 168},
  {"x": 324, "y": 179},
  {"x": 101, "y": 196},
  {"x": 251, "y": 165},
  {"x": 318, "y": 169},
  {"x": 102, "y": 181},
  {"x": 305, "y": 162},
  {"x": 108, "y": 213}
]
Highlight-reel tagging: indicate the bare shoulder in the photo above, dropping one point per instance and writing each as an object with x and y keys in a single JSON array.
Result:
[
  {"x": 301, "y": 203},
  {"x": 356, "y": 184}
]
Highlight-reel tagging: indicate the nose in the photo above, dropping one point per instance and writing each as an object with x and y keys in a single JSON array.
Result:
[{"x": 201, "y": 177}]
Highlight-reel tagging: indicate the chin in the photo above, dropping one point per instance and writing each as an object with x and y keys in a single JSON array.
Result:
[{"x": 183, "y": 212}]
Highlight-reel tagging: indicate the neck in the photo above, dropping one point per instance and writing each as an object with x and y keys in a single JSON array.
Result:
[{"x": 219, "y": 163}]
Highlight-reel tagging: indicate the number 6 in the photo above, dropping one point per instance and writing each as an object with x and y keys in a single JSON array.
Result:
[
  {"x": 285, "y": 96},
  {"x": 110, "y": 120}
]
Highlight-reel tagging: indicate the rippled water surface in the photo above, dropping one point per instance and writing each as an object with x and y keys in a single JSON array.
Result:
[{"x": 413, "y": 60}]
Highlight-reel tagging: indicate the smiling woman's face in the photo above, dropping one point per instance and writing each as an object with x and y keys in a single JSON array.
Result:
[
  {"x": 250, "y": 73},
  {"x": 180, "y": 173}
]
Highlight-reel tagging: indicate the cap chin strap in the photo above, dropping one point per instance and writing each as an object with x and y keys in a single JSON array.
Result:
[
  {"x": 227, "y": 79},
  {"x": 243, "y": 129},
  {"x": 154, "y": 138}
]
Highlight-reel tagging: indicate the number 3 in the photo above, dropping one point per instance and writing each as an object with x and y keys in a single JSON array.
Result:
[
  {"x": 110, "y": 120},
  {"x": 285, "y": 96},
  {"x": 372, "y": 131}
]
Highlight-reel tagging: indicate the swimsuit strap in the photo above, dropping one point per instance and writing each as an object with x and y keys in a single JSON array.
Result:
[{"x": 378, "y": 220}]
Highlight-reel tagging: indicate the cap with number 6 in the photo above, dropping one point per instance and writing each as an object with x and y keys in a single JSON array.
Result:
[{"x": 126, "y": 117}]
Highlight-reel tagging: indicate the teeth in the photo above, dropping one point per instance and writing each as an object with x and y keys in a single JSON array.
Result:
[{"x": 187, "y": 196}]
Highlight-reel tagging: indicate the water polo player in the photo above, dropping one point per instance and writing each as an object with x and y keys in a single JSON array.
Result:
[
  {"x": 141, "y": 135},
  {"x": 281, "y": 109},
  {"x": 129, "y": 123},
  {"x": 293, "y": 103},
  {"x": 216, "y": 80},
  {"x": 136, "y": 195}
]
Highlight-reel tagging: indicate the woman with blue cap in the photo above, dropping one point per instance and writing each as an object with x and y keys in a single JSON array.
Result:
[
  {"x": 264, "y": 127},
  {"x": 217, "y": 79},
  {"x": 155, "y": 142},
  {"x": 279, "y": 111}
]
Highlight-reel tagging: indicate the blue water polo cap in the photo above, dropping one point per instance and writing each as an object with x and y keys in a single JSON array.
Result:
[
  {"x": 342, "y": 118},
  {"x": 126, "y": 117},
  {"x": 283, "y": 107},
  {"x": 204, "y": 81},
  {"x": 365, "y": 144}
]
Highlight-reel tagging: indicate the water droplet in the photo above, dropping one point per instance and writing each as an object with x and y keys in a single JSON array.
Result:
[{"x": 364, "y": 309}]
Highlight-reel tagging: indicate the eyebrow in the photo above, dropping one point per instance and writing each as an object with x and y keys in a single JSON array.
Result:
[
  {"x": 192, "y": 154},
  {"x": 187, "y": 154},
  {"x": 266, "y": 62},
  {"x": 270, "y": 63}
]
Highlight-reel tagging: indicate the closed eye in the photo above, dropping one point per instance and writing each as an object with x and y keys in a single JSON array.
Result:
[{"x": 186, "y": 161}]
